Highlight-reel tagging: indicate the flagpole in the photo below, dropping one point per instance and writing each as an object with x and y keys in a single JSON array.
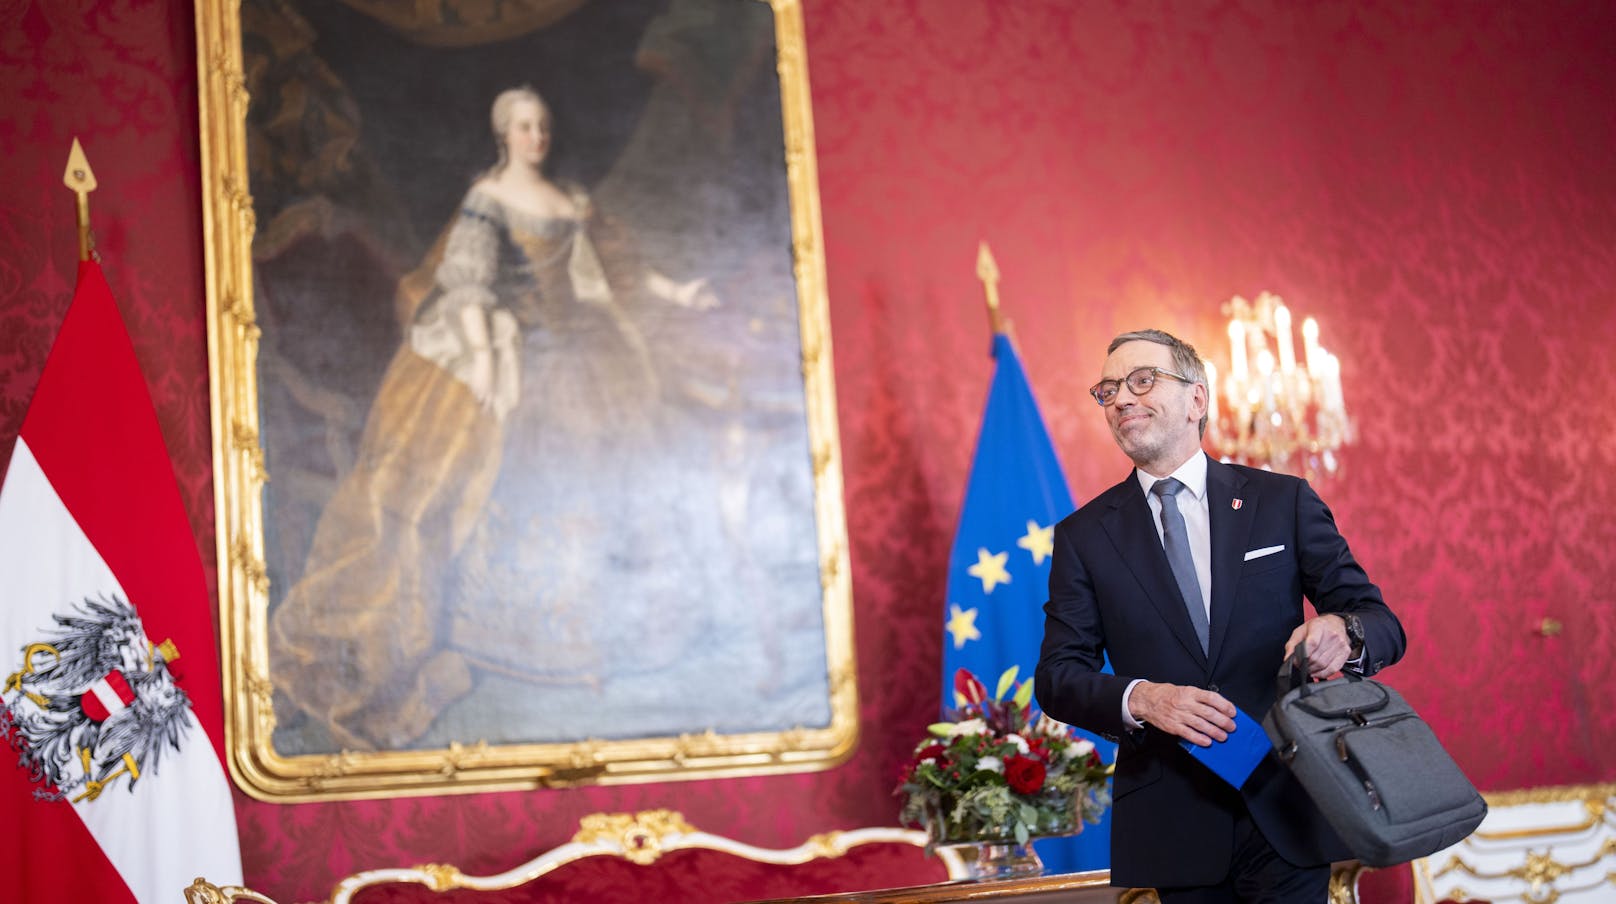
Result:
[
  {"x": 999, "y": 564},
  {"x": 987, "y": 270},
  {"x": 81, "y": 180}
]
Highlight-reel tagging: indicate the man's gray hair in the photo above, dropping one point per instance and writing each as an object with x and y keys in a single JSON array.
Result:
[{"x": 1185, "y": 361}]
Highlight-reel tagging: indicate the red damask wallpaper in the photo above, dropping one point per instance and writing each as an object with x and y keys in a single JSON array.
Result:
[{"x": 1430, "y": 179}]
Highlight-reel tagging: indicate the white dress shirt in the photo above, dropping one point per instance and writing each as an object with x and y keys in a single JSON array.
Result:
[
  {"x": 1197, "y": 523},
  {"x": 1192, "y": 504}
]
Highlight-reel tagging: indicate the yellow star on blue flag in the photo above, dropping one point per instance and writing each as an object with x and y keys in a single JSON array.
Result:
[
  {"x": 962, "y": 626},
  {"x": 1015, "y": 496},
  {"x": 1040, "y": 541},
  {"x": 989, "y": 569}
]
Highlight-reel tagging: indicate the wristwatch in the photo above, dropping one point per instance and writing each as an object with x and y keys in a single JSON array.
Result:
[{"x": 1355, "y": 636}]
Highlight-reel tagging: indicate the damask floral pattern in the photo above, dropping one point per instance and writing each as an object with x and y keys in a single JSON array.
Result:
[{"x": 1430, "y": 180}]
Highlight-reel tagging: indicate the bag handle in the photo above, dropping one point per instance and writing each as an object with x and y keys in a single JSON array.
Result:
[{"x": 1293, "y": 672}]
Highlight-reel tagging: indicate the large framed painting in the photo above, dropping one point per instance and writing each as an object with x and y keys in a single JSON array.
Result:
[{"x": 524, "y": 428}]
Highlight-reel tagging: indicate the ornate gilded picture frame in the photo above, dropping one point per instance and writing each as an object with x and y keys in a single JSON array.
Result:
[{"x": 525, "y": 447}]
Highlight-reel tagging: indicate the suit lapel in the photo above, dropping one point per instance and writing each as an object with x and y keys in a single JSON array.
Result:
[
  {"x": 1231, "y": 528},
  {"x": 1133, "y": 533}
]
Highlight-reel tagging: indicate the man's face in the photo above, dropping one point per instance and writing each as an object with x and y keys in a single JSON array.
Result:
[{"x": 1161, "y": 425}]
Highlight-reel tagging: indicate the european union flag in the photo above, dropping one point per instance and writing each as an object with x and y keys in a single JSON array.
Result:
[{"x": 998, "y": 574}]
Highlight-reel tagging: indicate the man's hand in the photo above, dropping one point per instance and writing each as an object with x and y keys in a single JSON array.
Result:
[
  {"x": 1196, "y": 715},
  {"x": 1327, "y": 644}
]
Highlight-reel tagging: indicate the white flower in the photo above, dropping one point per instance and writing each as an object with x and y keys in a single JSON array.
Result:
[
  {"x": 1082, "y": 747},
  {"x": 1020, "y": 742},
  {"x": 990, "y": 764},
  {"x": 968, "y": 727}
]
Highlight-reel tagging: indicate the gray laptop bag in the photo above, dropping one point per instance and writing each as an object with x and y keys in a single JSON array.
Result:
[{"x": 1372, "y": 765}]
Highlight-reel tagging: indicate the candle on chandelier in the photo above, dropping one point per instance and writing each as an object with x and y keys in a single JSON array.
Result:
[
  {"x": 1282, "y": 332},
  {"x": 1237, "y": 351},
  {"x": 1310, "y": 346},
  {"x": 1331, "y": 379},
  {"x": 1266, "y": 380}
]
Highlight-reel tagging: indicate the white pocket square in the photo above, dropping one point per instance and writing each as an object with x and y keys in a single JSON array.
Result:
[{"x": 1265, "y": 551}]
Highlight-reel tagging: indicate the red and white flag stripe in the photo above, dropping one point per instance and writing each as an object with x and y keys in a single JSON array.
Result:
[
  {"x": 90, "y": 510},
  {"x": 107, "y": 697}
]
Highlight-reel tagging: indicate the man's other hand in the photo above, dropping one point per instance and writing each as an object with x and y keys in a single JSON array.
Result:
[
  {"x": 1196, "y": 715},
  {"x": 1327, "y": 644}
]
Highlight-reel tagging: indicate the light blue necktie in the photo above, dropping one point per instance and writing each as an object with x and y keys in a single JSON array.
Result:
[{"x": 1176, "y": 540}]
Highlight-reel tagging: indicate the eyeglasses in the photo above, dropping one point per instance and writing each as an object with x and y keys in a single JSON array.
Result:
[{"x": 1140, "y": 381}]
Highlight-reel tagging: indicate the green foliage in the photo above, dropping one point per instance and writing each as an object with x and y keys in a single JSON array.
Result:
[{"x": 1005, "y": 680}]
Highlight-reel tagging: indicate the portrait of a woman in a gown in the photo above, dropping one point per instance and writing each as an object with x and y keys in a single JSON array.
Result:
[
  {"x": 544, "y": 404},
  {"x": 520, "y": 336}
]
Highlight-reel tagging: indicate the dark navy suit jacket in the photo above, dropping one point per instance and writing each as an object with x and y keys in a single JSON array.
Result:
[{"x": 1112, "y": 591}]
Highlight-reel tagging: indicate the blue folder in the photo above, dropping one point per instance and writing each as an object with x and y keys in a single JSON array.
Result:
[{"x": 1234, "y": 758}]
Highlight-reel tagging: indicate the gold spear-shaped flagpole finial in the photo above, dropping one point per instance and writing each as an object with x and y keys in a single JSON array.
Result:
[
  {"x": 81, "y": 180},
  {"x": 987, "y": 270}
]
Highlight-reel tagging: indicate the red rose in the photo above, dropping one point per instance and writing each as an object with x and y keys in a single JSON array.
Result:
[
  {"x": 1024, "y": 774},
  {"x": 930, "y": 751}
]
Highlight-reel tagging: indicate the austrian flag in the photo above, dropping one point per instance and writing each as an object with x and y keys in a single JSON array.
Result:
[{"x": 111, "y": 705}]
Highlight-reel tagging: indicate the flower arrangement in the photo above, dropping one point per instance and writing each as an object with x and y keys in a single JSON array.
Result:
[{"x": 1000, "y": 771}]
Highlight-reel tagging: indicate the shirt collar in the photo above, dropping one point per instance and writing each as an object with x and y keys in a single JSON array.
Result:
[{"x": 1192, "y": 474}]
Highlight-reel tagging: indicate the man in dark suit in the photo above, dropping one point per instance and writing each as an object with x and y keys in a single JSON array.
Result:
[{"x": 1190, "y": 574}]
